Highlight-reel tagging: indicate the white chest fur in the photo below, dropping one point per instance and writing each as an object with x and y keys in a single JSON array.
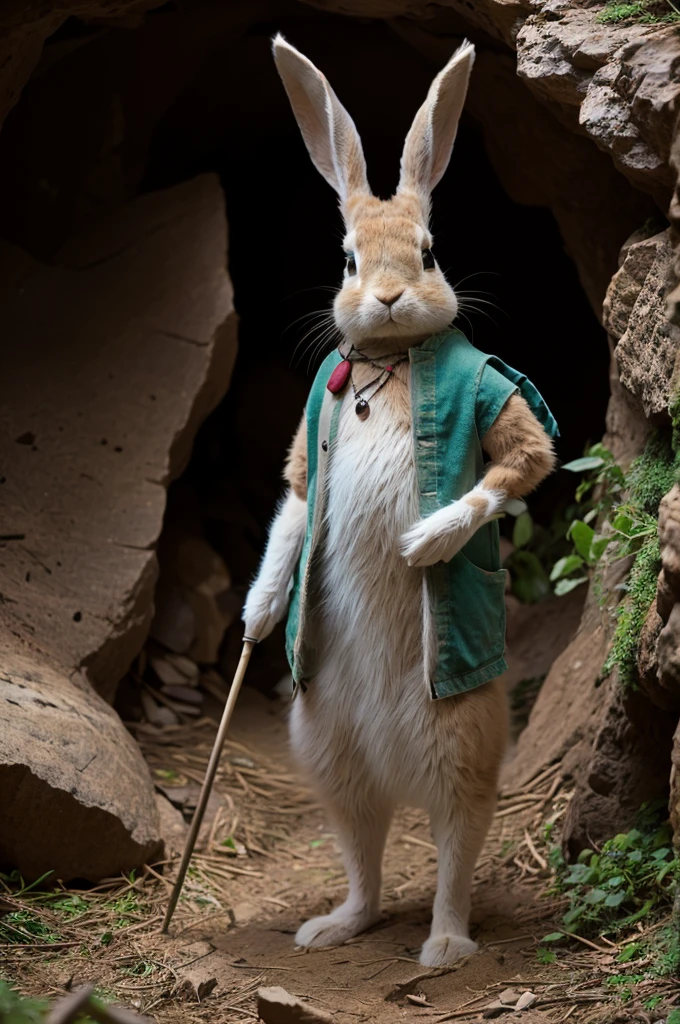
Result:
[{"x": 371, "y": 597}]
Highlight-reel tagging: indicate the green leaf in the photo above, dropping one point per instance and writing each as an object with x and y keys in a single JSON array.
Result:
[
  {"x": 582, "y": 536},
  {"x": 589, "y": 516},
  {"x": 673, "y": 1017},
  {"x": 523, "y": 530},
  {"x": 564, "y": 566},
  {"x": 584, "y": 488},
  {"x": 601, "y": 451},
  {"x": 584, "y": 464},
  {"x": 598, "y": 546},
  {"x": 630, "y": 952},
  {"x": 615, "y": 899},
  {"x": 563, "y": 587},
  {"x": 596, "y": 896},
  {"x": 573, "y": 915},
  {"x": 623, "y": 524},
  {"x": 553, "y": 937},
  {"x": 668, "y": 866}
]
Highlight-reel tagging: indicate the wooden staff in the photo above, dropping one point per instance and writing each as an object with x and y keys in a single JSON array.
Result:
[{"x": 248, "y": 645}]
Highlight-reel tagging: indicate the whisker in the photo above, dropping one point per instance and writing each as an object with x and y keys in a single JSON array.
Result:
[
  {"x": 477, "y": 273},
  {"x": 301, "y": 348},
  {"x": 474, "y": 297},
  {"x": 475, "y": 291},
  {"x": 326, "y": 327},
  {"x": 321, "y": 321},
  {"x": 481, "y": 312},
  {"x": 469, "y": 322},
  {"x": 326, "y": 338},
  {"x": 308, "y": 316},
  {"x": 471, "y": 307}
]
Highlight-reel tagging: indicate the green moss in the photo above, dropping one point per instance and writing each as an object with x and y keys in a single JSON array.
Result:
[
  {"x": 646, "y": 12},
  {"x": 650, "y": 477},
  {"x": 632, "y": 612},
  {"x": 674, "y": 410},
  {"x": 653, "y": 474}
]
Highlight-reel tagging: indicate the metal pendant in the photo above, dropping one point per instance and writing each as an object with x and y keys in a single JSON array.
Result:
[{"x": 362, "y": 409}]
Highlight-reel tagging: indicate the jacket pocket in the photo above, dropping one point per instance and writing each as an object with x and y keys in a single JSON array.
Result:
[{"x": 476, "y": 616}]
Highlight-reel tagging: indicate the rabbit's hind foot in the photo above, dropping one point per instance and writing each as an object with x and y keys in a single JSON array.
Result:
[
  {"x": 334, "y": 928},
  {"x": 441, "y": 950}
]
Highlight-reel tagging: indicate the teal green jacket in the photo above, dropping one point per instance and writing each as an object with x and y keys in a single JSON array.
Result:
[{"x": 456, "y": 395}]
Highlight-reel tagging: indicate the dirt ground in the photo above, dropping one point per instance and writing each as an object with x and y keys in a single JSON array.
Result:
[{"x": 267, "y": 861}]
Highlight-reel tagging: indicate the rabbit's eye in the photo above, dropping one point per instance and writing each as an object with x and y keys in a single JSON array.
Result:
[
  {"x": 428, "y": 260},
  {"x": 350, "y": 264}
]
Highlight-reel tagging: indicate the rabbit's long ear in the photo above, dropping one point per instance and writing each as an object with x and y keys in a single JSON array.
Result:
[
  {"x": 428, "y": 145},
  {"x": 328, "y": 130}
]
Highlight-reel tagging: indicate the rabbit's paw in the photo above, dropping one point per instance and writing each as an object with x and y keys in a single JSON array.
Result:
[
  {"x": 335, "y": 928},
  {"x": 440, "y": 950},
  {"x": 438, "y": 537},
  {"x": 264, "y": 607}
]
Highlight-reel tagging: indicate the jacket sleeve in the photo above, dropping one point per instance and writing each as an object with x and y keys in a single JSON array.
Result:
[
  {"x": 497, "y": 382},
  {"x": 493, "y": 391}
]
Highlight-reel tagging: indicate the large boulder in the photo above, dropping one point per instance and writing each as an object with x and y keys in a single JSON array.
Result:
[
  {"x": 111, "y": 359},
  {"x": 75, "y": 792}
]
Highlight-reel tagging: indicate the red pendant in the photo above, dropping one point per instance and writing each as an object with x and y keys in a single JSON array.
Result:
[{"x": 339, "y": 377}]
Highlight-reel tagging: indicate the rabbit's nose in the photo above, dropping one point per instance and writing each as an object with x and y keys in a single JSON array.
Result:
[{"x": 389, "y": 300}]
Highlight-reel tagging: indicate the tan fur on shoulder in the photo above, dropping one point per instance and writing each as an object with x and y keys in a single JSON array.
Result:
[
  {"x": 295, "y": 471},
  {"x": 521, "y": 451}
]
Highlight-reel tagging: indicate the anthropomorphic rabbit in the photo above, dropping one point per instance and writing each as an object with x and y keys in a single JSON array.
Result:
[{"x": 386, "y": 545}]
